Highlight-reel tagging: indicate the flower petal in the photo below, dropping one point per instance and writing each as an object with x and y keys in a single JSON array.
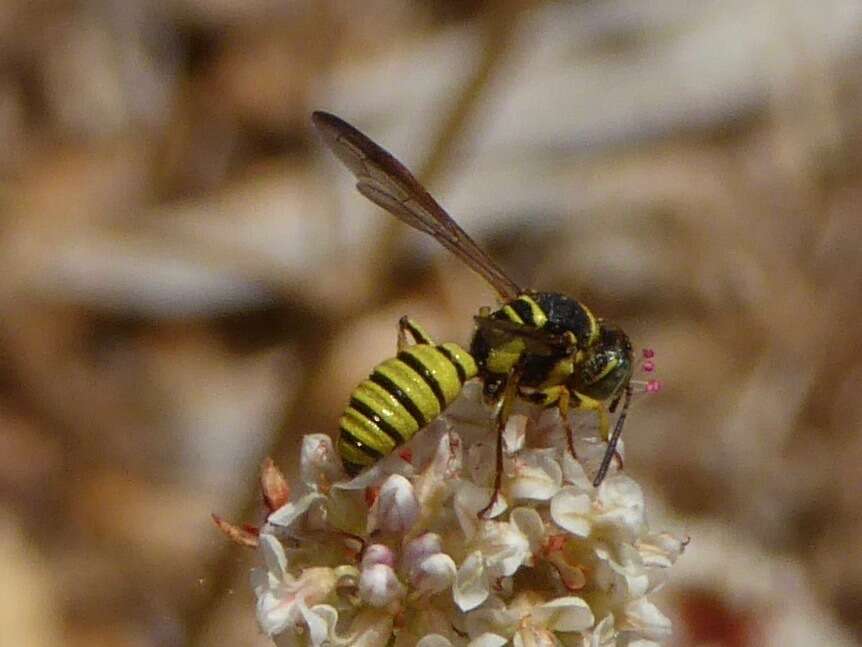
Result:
[
  {"x": 537, "y": 476},
  {"x": 434, "y": 640},
  {"x": 471, "y": 584},
  {"x": 488, "y": 640},
  {"x": 564, "y": 614},
  {"x": 530, "y": 524},
  {"x": 621, "y": 506},
  {"x": 571, "y": 510},
  {"x": 644, "y": 618},
  {"x": 287, "y": 515}
]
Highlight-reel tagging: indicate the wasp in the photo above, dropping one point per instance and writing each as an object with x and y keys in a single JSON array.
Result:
[{"x": 542, "y": 347}]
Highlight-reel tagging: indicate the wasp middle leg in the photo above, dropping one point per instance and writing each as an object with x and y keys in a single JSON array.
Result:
[{"x": 504, "y": 408}]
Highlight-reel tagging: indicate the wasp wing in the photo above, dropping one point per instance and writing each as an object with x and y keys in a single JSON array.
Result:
[
  {"x": 387, "y": 183},
  {"x": 538, "y": 341}
]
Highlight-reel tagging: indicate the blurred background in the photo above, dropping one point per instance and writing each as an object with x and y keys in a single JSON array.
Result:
[{"x": 189, "y": 282}]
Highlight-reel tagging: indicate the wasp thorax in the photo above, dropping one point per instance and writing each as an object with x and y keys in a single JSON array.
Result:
[{"x": 608, "y": 368}]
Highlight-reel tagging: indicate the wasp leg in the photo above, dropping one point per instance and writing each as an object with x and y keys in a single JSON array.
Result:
[
  {"x": 563, "y": 404},
  {"x": 407, "y": 325},
  {"x": 589, "y": 404},
  {"x": 560, "y": 397},
  {"x": 503, "y": 411}
]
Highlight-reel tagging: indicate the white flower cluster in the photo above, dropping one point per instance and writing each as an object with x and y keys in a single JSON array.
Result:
[{"x": 400, "y": 556}]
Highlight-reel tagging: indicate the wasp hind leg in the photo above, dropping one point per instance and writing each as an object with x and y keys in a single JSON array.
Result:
[{"x": 407, "y": 325}]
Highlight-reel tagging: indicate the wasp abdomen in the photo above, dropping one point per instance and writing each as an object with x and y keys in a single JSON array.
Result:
[{"x": 401, "y": 396}]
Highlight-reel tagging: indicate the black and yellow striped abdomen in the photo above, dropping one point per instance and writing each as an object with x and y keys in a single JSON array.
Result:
[{"x": 401, "y": 396}]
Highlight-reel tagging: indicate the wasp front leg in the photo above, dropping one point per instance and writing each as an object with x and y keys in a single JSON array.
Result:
[
  {"x": 585, "y": 403},
  {"x": 407, "y": 325},
  {"x": 561, "y": 398}
]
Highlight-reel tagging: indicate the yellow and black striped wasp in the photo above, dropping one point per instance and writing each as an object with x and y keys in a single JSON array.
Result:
[{"x": 542, "y": 347}]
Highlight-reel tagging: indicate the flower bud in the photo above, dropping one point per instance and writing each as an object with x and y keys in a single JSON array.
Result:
[
  {"x": 378, "y": 554},
  {"x": 434, "y": 574},
  {"x": 419, "y": 549},
  {"x": 396, "y": 508},
  {"x": 379, "y": 586}
]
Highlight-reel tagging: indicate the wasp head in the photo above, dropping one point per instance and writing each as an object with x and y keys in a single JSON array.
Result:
[{"x": 608, "y": 367}]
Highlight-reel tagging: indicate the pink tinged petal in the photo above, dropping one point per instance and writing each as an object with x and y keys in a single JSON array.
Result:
[
  {"x": 530, "y": 524},
  {"x": 434, "y": 640},
  {"x": 378, "y": 554},
  {"x": 471, "y": 585},
  {"x": 319, "y": 463},
  {"x": 643, "y": 617},
  {"x": 276, "y": 491},
  {"x": 436, "y": 573},
  {"x": 488, "y": 640},
  {"x": 571, "y": 510},
  {"x": 537, "y": 476},
  {"x": 379, "y": 586},
  {"x": 564, "y": 614},
  {"x": 288, "y": 514},
  {"x": 396, "y": 508}
]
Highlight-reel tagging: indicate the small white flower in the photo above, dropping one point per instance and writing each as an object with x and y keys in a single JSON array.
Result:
[
  {"x": 536, "y": 476},
  {"x": 282, "y": 598},
  {"x": 396, "y": 508}
]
